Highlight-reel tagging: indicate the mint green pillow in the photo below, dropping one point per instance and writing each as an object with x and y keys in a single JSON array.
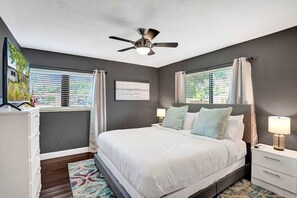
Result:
[
  {"x": 175, "y": 117},
  {"x": 211, "y": 122}
]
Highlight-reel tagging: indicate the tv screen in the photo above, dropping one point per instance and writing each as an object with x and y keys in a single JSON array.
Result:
[{"x": 17, "y": 70}]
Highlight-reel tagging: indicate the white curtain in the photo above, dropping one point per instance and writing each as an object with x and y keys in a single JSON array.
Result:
[
  {"x": 180, "y": 87},
  {"x": 98, "y": 111},
  {"x": 241, "y": 90}
]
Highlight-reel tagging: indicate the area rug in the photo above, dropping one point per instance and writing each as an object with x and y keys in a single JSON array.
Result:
[
  {"x": 245, "y": 189},
  {"x": 87, "y": 182}
]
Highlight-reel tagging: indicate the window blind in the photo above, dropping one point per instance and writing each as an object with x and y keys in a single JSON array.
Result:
[
  {"x": 208, "y": 86},
  {"x": 60, "y": 88}
]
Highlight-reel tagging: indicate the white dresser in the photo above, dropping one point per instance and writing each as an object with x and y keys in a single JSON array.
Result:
[
  {"x": 275, "y": 170},
  {"x": 19, "y": 153}
]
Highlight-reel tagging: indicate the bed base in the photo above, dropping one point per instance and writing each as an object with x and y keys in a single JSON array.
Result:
[{"x": 210, "y": 191}]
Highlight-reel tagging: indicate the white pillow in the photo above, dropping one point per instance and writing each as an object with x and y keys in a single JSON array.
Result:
[
  {"x": 189, "y": 121},
  {"x": 234, "y": 129}
]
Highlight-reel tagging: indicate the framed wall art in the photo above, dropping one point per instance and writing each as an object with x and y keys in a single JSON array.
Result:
[{"x": 126, "y": 90}]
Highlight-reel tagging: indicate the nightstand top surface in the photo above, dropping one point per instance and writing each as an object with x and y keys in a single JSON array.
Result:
[
  {"x": 156, "y": 124},
  {"x": 269, "y": 149}
]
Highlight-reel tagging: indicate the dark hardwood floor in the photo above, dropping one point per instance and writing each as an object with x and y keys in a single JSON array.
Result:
[{"x": 54, "y": 175}]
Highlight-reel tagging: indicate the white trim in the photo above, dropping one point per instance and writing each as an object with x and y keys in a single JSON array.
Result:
[
  {"x": 63, "y": 153},
  {"x": 61, "y": 72},
  {"x": 64, "y": 109}
]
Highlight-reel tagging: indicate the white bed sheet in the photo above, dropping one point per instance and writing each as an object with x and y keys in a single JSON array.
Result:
[
  {"x": 185, "y": 192},
  {"x": 157, "y": 161}
]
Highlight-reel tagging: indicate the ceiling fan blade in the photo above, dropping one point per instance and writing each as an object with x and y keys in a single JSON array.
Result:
[
  {"x": 151, "y": 53},
  {"x": 121, "y": 39},
  {"x": 151, "y": 34},
  {"x": 122, "y": 50},
  {"x": 165, "y": 44}
]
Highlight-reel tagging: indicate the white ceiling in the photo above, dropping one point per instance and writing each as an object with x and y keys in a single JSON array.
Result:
[{"x": 199, "y": 26}]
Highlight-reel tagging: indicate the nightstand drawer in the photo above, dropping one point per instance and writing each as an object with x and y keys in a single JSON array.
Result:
[
  {"x": 275, "y": 178},
  {"x": 275, "y": 162}
]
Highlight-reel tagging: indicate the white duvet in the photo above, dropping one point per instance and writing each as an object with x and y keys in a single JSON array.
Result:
[{"x": 158, "y": 161}]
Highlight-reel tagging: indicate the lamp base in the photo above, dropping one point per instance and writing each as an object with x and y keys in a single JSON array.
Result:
[
  {"x": 279, "y": 142},
  {"x": 160, "y": 120}
]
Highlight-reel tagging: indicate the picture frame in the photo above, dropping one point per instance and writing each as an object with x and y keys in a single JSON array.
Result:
[{"x": 132, "y": 91}]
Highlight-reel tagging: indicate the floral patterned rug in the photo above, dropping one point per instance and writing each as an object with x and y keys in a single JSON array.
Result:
[
  {"x": 245, "y": 189},
  {"x": 87, "y": 182}
]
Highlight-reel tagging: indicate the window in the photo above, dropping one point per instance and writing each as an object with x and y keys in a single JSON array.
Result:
[
  {"x": 208, "y": 86},
  {"x": 60, "y": 88},
  {"x": 12, "y": 73}
]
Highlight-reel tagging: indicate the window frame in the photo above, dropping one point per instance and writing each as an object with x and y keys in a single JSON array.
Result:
[
  {"x": 210, "y": 82},
  {"x": 65, "y": 78}
]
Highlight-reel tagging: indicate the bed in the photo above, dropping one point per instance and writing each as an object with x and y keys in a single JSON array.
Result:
[{"x": 161, "y": 162}]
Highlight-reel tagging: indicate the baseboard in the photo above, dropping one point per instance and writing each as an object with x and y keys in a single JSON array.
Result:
[{"x": 63, "y": 153}]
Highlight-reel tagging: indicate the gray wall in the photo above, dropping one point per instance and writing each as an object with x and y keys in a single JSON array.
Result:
[
  {"x": 57, "y": 132},
  {"x": 274, "y": 74},
  {"x": 64, "y": 130},
  {"x": 4, "y": 32}
]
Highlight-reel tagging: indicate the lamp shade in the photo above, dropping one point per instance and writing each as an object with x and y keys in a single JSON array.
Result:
[
  {"x": 161, "y": 112},
  {"x": 279, "y": 125}
]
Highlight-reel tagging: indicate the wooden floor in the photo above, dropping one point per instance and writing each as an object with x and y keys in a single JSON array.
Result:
[{"x": 54, "y": 176}]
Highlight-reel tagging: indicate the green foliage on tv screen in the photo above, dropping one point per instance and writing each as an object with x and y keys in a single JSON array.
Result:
[{"x": 18, "y": 73}]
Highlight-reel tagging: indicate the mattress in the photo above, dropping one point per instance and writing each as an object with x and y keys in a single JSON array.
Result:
[
  {"x": 185, "y": 192},
  {"x": 155, "y": 161}
]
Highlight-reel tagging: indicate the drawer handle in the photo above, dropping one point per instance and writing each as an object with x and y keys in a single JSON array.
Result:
[
  {"x": 276, "y": 175},
  {"x": 37, "y": 134},
  {"x": 272, "y": 158},
  {"x": 37, "y": 152}
]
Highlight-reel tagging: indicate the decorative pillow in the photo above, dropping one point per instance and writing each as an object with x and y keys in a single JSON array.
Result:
[
  {"x": 211, "y": 122},
  {"x": 189, "y": 121},
  {"x": 175, "y": 117},
  {"x": 234, "y": 129}
]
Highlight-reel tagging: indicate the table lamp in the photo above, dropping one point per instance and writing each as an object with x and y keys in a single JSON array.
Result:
[
  {"x": 161, "y": 114},
  {"x": 280, "y": 126}
]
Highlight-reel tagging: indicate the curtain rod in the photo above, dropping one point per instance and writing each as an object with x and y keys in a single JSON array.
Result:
[
  {"x": 222, "y": 65},
  {"x": 62, "y": 68}
]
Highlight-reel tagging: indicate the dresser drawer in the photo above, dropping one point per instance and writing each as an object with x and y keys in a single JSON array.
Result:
[
  {"x": 35, "y": 184},
  {"x": 275, "y": 178},
  {"x": 275, "y": 162},
  {"x": 38, "y": 192},
  {"x": 34, "y": 167},
  {"x": 34, "y": 117},
  {"x": 34, "y": 146}
]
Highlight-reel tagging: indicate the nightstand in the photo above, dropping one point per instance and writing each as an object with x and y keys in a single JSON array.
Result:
[
  {"x": 275, "y": 170},
  {"x": 156, "y": 124}
]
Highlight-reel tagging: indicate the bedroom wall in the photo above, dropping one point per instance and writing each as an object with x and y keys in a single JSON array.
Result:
[
  {"x": 68, "y": 130},
  {"x": 274, "y": 73},
  {"x": 4, "y": 32}
]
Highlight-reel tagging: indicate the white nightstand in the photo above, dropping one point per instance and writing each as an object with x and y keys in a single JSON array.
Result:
[
  {"x": 156, "y": 124},
  {"x": 275, "y": 170}
]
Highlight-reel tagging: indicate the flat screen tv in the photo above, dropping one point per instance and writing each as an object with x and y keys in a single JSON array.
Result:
[{"x": 16, "y": 75}]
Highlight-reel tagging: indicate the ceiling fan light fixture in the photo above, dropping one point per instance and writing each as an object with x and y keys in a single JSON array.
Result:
[
  {"x": 143, "y": 50},
  {"x": 144, "y": 45}
]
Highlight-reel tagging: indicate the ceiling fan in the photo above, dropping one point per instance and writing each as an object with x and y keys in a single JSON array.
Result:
[{"x": 144, "y": 45}]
